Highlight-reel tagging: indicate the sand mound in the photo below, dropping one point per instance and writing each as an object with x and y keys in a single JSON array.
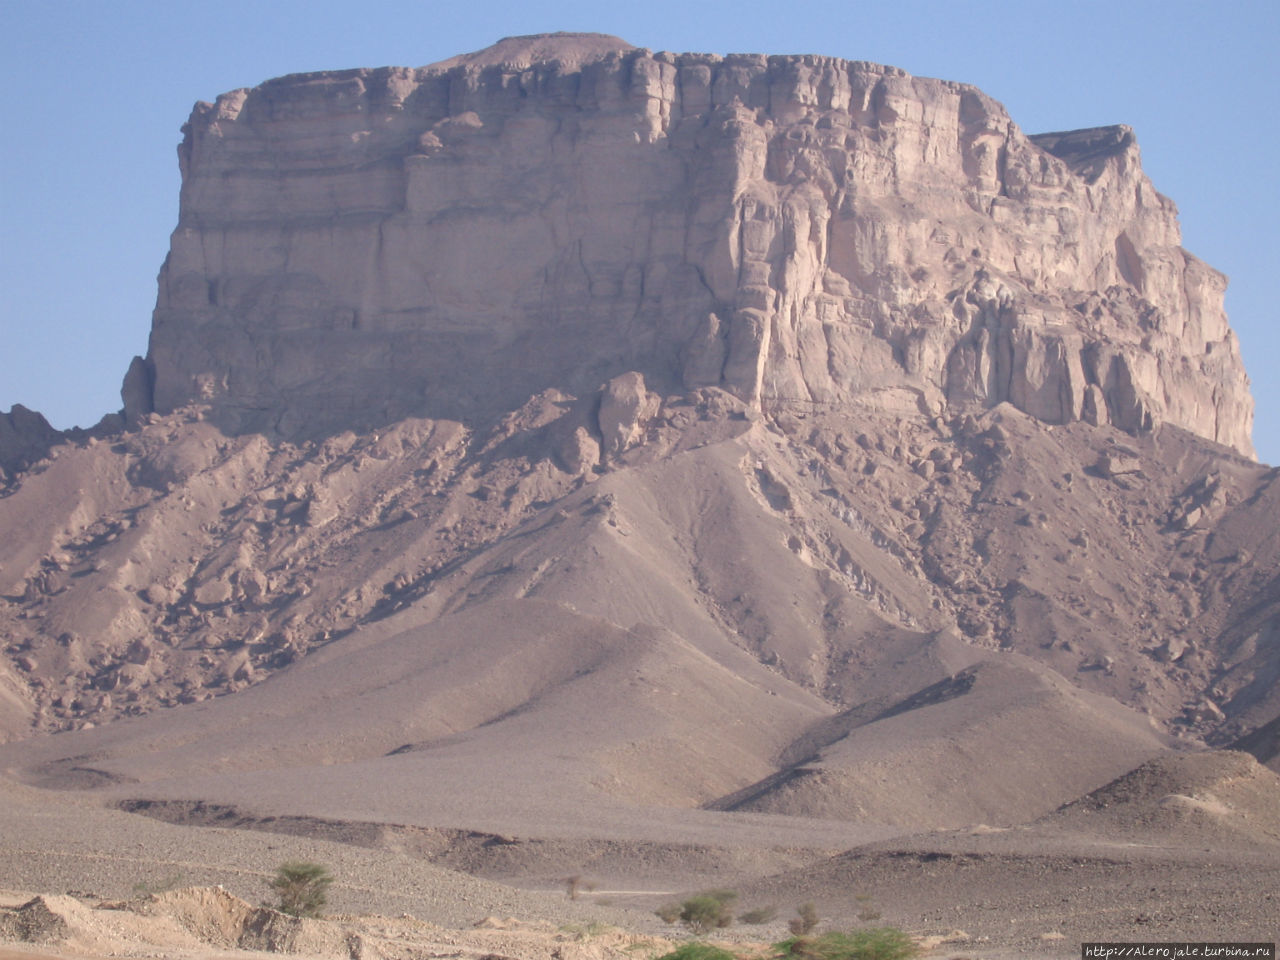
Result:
[
  {"x": 194, "y": 920},
  {"x": 1226, "y": 793},
  {"x": 39, "y": 920},
  {"x": 915, "y": 765},
  {"x": 179, "y": 919},
  {"x": 216, "y": 917}
]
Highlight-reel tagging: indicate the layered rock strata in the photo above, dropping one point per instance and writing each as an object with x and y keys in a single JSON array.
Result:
[{"x": 359, "y": 246}]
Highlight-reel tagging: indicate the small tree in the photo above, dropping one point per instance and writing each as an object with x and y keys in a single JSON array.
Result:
[
  {"x": 301, "y": 887},
  {"x": 708, "y": 910}
]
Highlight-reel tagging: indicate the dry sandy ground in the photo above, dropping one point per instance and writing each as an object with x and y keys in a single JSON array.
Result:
[{"x": 1107, "y": 868}]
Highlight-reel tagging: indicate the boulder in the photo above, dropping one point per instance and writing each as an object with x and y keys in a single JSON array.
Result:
[
  {"x": 1116, "y": 464},
  {"x": 625, "y": 407}
]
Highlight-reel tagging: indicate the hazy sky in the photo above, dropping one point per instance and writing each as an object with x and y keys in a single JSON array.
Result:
[{"x": 95, "y": 94}]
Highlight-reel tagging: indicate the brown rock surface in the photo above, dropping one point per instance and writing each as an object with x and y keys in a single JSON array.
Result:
[
  {"x": 25, "y": 436},
  {"x": 358, "y": 246}
]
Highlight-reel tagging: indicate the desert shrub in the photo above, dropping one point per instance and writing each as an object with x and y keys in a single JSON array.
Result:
[
  {"x": 577, "y": 884},
  {"x": 708, "y": 910},
  {"x": 868, "y": 911},
  {"x": 805, "y": 920},
  {"x": 668, "y": 912},
  {"x": 147, "y": 888},
  {"x": 581, "y": 932},
  {"x": 301, "y": 887},
  {"x": 873, "y": 943},
  {"x": 724, "y": 896},
  {"x": 694, "y": 950},
  {"x": 758, "y": 915}
]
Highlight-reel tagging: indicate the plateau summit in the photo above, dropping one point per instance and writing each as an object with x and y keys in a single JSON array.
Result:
[{"x": 357, "y": 247}]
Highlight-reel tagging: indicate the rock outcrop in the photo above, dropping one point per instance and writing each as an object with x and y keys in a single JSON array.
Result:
[
  {"x": 25, "y": 436},
  {"x": 359, "y": 246}
]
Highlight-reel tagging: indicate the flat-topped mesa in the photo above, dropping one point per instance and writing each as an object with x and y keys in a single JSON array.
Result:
[{"x": 362, "y": 245}]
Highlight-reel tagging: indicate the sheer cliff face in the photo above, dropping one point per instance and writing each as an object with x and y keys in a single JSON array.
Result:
[{"x": 359, "y": 246}]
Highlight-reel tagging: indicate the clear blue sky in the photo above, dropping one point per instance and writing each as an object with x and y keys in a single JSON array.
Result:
[{"x": 95, "y": 93}]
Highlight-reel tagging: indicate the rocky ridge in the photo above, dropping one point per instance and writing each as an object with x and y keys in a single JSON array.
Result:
[{"x": 804, "y": 232}]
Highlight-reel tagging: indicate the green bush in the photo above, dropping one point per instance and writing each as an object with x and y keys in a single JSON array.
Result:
[
  {"x": 301, "y": 887},
  {"x": 758, "y": 915},
  {"x": 697, "y": 951},
  {"x": 873, "y": 943},
  {"x": 708, "y": 910}
]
